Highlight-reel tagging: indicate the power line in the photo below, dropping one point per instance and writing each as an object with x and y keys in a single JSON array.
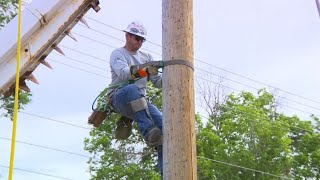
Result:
[
  {"x": 54, "y": 120},
  {"x": 290, "y": 107},
  {"x": 47, "y": 147},
  {"x": 72, "y": 153},
  {"x": 87, "y": 37},
  {"x": 208, "y": 81},
  {"x": 80, "y": 52},
  {"x": 100, "y": 32},
  {"x": 79, "y": 68},
  {"x": 81, "y": 62},
  {"x": 68, "y": 152},
  {"x": 242, "y": 167},
  {"x": 118, "y": 29},
  {"x": 258, "y": 89},
  {"x": 208, "y": 72},
  {"x": 240, "y": 91},
  {"x": 70, "y": 124},
  {"x": 38, "y": 173},
  {"x": 74, "y": 125},
  {"x": 250, "y": 79}
]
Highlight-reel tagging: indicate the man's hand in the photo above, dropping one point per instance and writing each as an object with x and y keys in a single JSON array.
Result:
[
  {"x": 152, "y": 70},
  {"x": 136, "y": 72}
]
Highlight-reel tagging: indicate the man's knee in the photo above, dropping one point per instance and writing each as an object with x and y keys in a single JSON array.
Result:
[{"x": 138, "y": 104}]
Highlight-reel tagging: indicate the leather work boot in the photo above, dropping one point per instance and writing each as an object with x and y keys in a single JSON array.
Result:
[
  {"x": 96, "y": 118},
  {"x": 124, "y": 128},
  {"x": 154, "y": 137}
]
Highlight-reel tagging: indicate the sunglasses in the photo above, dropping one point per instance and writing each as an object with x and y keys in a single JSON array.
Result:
[{"x": 137, "y": 38}]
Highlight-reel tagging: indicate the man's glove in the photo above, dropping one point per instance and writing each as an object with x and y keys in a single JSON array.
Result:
[
  {"x": 136, "y": 72},
  {"x": 152, "y": 70}
]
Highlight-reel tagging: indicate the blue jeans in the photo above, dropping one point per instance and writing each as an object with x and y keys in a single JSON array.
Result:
[{"x": 120, "y": 104}]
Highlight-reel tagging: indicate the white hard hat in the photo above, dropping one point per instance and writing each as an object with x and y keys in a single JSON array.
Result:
[{"x": 136, "y": 28}]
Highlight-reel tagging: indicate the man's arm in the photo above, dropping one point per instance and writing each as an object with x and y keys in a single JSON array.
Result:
[
  {"x": 120, "y": 66},
  {"x": 156, "y": 81}
]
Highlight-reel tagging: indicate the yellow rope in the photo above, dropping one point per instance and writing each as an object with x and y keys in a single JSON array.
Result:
[{"x": 16, "y": 95}]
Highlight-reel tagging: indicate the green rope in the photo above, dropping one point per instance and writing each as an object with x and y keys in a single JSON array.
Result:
[{"x": 102, "y": 96}]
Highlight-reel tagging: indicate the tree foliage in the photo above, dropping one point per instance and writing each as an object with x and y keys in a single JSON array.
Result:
[
  {"x": 244, "y": 138},
  {"x": 8, "y": 9},
  {"x": 7, "y": 103},
  {"x": 253, "y": 135}
]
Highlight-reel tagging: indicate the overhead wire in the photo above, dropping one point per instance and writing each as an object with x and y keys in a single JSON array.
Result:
[
  {"x": 87, "y": 37},
  {"x": 117, "y": 29},
  {"x": 221, "y": 85},
  {"x": 72, "y": 153},
  {"x": 80, "y": 52},
  {"x": 223, "y": 69},
  {"x": 243, "y": 84},
  {"x": 38, "y": 173},
  {"x": 78, "y": 126},
  {"x": 237, "y": 82},
  {"x": 240, "y": 91},
  {"x": 245, "y": 168},
  {"x": 74, "y": 67},
  {"x": 81, "y": 62},
  {"x": 47, "y": 147},
  {"x": 290, "y": 107},
  {"x": 144, "y": 154}
]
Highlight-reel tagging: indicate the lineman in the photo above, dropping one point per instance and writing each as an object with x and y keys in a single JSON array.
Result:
[{"x": 130, "y": 100}]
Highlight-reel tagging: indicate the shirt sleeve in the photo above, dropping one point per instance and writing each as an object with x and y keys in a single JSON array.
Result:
[{"x": 120, "y": 66}]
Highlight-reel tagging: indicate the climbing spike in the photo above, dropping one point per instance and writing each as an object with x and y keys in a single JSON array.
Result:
[
  {"x": 23, "y": 86},
  {"x": 44, "y": 62},
  {"x": 32, "y": 78},
  {"x": 84, "y": 21},
  {"x": 71, "y": 35},
  {"x": 55, "y": 47}
]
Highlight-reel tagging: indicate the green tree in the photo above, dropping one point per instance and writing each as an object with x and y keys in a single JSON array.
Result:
[
  {"x": 8, "y": 9},
  {"x": 253, "y": 135}
]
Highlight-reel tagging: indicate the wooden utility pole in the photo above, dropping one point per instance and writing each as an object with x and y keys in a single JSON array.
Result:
[{"x": 179, "y": 148}]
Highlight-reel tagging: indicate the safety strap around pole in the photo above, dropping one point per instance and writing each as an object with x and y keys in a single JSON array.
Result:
[
  {"x": 167, "y": 63},
  {"x": 178, "y": 62}
]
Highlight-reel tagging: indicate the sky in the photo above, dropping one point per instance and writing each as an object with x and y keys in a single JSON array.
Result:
[{"x": 273, "y": 42}]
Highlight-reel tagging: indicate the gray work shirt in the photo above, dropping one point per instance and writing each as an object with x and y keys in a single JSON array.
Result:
[{"x": 120, "y": 62}]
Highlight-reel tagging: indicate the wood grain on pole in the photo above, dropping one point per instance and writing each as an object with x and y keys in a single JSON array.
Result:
[{"x": 179, "y": 148}]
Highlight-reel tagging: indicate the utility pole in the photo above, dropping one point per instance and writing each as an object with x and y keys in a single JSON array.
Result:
[{"x": 179, "y": 147}]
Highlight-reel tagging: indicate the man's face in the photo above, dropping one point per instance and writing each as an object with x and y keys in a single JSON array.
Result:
[{"x": 134, "y": 41}]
